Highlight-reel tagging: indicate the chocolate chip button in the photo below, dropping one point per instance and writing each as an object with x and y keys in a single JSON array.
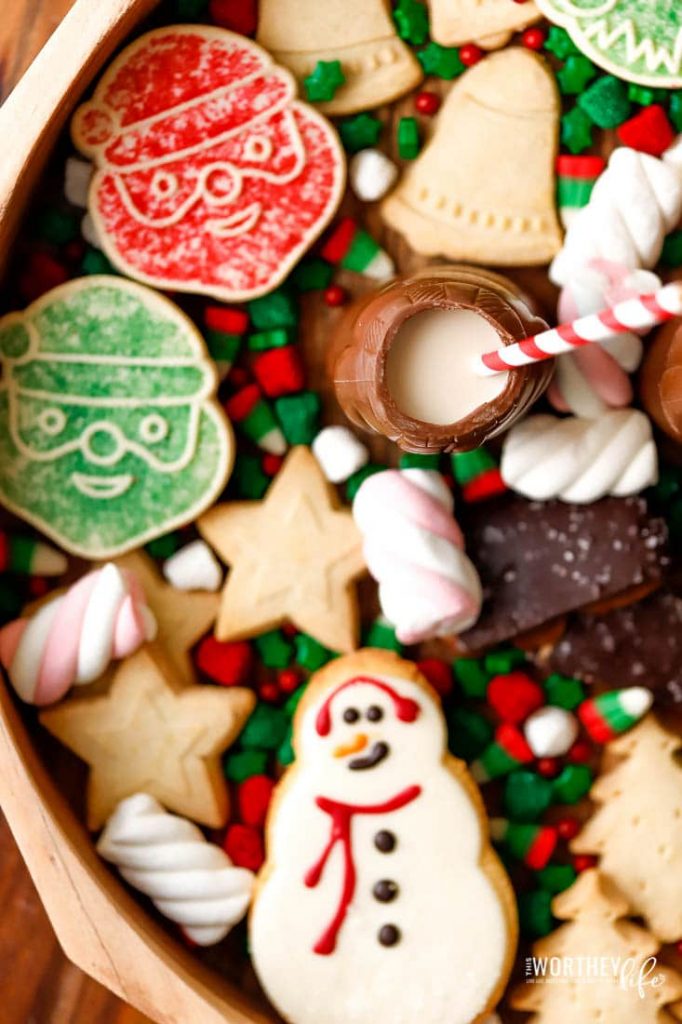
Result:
[
  {"x": 385, "y": 841},
  {"x": 389, "y": 935},
  {"x": 385, "y": 890}
]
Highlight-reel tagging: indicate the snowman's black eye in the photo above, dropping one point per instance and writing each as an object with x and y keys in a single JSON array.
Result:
[
  {"x": 350, "y": 715},
  {"x": 374, "y": 714}
]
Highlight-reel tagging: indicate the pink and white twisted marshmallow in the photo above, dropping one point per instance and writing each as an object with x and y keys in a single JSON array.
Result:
[
  {"x": 591, "y": 380},
  {"x": 415, "y": 550},
  {"x": 73, "y": 638}
]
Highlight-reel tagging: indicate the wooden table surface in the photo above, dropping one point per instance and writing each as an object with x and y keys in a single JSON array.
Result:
[{"x": 37, "y": 983}]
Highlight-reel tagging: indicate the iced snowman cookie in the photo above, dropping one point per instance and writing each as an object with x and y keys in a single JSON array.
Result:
[
  {"x": 381, "y": 898},
  {"x": 210, "y": 176},
  {"x": 109, "y": 431},
  {"x": 638, "y": 40}
]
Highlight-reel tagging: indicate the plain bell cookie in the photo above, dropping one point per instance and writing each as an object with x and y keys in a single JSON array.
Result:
[
  {"x": 379, "y": 874},
  {"x": 483, "y": 187},
  {"x": 488, "y": 23},
  {"x": 211, "y": 177},
  {"x": 376, "y": 64}
]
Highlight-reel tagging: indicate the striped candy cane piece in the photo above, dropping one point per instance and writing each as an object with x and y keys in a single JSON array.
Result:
[{"x": 639, "y": 313}]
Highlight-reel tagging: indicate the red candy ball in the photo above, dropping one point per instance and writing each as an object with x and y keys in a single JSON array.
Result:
[
  {"x": 243, "y": 844},
  {"x": 584, "y": 861},
  {"x": 269, "y": 692},
  {"x": 548, "y": 767},
  {"x": 271, "y": 464},
  {"x": 288, "y": 679},
  {"x": 470, "y": 54},
  {"x": 253, "y": 799},
  {"x": 427, "y": 103},
  {"x": 438, "y": 673},
  {"x": 567, "y": 828},
  {"x": 335, "y": 295},
  {"x": 580, "y": 752},
  {"x": 533, "y": 38},
  {"x": 514, "y": 696}
]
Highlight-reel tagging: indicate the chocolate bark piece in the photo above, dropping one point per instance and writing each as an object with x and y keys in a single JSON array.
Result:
[
  {"x": 361, "y": 342},
  {"x": 640, "y": 645},
  {"x": 539, "y": 560}
]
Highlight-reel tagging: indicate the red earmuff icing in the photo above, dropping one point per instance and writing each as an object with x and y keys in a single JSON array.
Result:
[{"x": 405, "y": 708}]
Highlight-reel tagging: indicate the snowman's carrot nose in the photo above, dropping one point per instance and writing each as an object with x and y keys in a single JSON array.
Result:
[{"x": 358, "y": 743}]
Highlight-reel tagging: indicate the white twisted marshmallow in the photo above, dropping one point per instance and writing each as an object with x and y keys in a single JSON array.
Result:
[
  {"x": 580, "y": 460},
  {"x": 189, "y": 880},
  {"x": 593, "y": 379},
  {"x": 415, "y": 550},
  {"x": 635, "y": 203}
]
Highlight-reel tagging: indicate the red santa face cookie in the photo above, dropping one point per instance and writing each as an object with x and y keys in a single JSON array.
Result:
[
  {"x": 211, "y": 177},
  {"x": 380, "y": 883}
]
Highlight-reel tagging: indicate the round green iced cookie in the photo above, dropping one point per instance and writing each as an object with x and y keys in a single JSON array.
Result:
[
  {"x": 110, "y": 434},
  {"x": 638, "y": 40}
]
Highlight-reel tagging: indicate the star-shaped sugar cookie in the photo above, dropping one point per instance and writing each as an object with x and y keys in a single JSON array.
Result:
[
  {"x": 294, "y": 557},
  {"x": 153, "y": 733},
  {"x": 182, "y": 617}
]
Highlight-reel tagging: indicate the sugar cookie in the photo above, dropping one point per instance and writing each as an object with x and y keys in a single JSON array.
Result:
[
  {"x": 379, "y": 876},
  {"x": 110, "y": 434},
  {"x": 211, "y": 177}
]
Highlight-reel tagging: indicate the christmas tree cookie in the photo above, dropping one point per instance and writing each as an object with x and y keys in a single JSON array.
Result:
[{"x": 637, "y": 829}]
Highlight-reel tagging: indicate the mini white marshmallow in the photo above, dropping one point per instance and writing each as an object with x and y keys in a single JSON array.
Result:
[
  {"x": 550, "y": 731},
  {"x": 194, "y": 567},
  {"x": 339, "y": 453},
  {"x": 372, "y": 174}
]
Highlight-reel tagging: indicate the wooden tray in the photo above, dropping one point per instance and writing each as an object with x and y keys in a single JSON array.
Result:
[{"x": 99, "y": 925}]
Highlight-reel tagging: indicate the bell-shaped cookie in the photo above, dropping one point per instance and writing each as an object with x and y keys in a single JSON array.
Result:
[
  {"x": 483, "y": 188},
  {"x": 377, "y": 65},
  {"x": 489, "y": 23}
]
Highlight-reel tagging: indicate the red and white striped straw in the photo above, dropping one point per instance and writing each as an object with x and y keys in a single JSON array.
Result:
[{"x": 639, "y": 313}]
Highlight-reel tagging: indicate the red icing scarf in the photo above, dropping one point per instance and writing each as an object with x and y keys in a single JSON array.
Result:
[{"x": 341, "y": 820}]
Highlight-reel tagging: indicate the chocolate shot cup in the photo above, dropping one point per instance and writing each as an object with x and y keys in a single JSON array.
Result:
[{"x": 402, "y": 359}]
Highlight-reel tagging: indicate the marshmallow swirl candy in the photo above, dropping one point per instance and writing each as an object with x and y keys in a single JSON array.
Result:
[
  {"x": 636, "y": 202},
  {"x": 72, "y": 638},
  {"x": 580, "y": 460},
  {"x": 415, "y": 550},
  {"x": 189, "y": 880}
]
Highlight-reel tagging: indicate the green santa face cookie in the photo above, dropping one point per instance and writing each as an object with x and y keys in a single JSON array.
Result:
[
  {"x": 109, "y": 431},
  {"x": 638, "y": 40}
]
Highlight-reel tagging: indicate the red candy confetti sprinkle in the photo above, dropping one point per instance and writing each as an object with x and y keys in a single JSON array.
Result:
[
  {"x": 427, "y": 103},
  {"x": 438, "y": 673},
  {"x": 243, "y": 844},
  {"x": 253, "y": 799},
  {"x": 487, "y": 485},
  {"x": 650, "y": 131},
  {"x": 226, "y": 663},
  {"x": 226, "y": 319},
  {"x": 470, "y": 54},
  {"x": 335, "y": 295},
  {"x": 279, "y": 371},
  {"x": 513, "y": 697},
  {"x": 533, "y": 38}
]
